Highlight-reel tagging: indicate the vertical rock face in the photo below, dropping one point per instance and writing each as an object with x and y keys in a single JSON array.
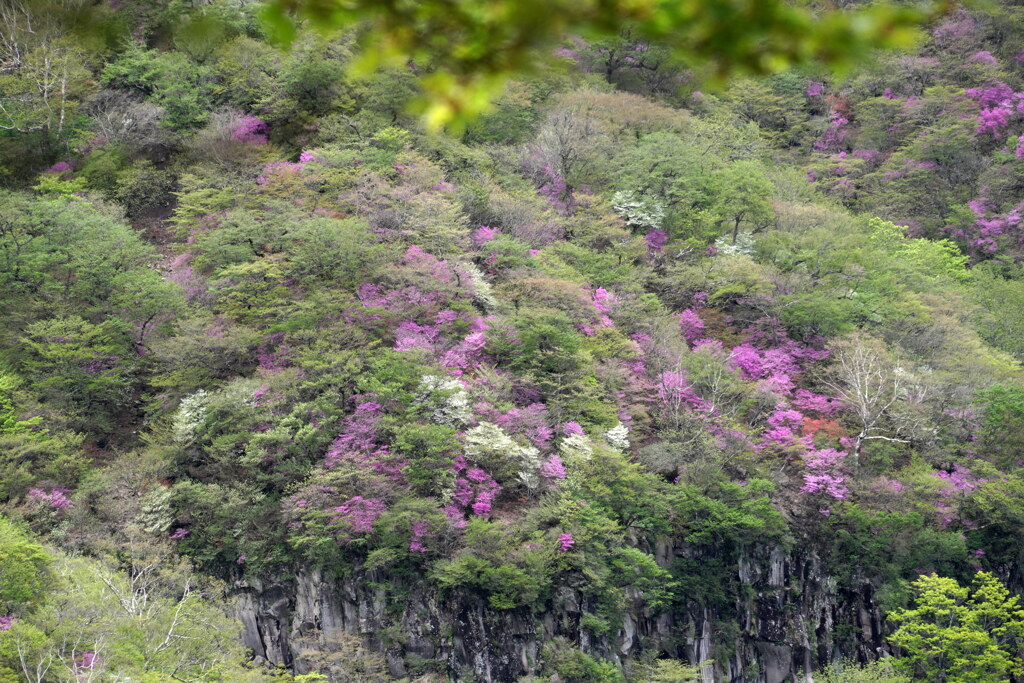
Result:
[{"x": 789, "y": 618}]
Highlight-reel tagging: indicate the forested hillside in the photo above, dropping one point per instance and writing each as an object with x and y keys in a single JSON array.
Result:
[{"x": 634, "y": 377}]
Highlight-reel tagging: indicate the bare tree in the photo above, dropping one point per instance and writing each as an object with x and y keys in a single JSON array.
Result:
[
  {"x": 43, "y": 70},
  {"x": 125, "y": 120},
  {"x": 342, "y": 657},
  {"x": 871, "y": 383},
  {"x": 566, "y": 143}
]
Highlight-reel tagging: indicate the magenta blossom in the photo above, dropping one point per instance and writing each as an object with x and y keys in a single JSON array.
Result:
[
  {"x": 250, "y": 131},
  {"x": 359, "y": 514},
  {"x": 552, "y": 468},
  {"x": 656, "y": 240},
  {"x": 691, "y": 325},
  {"x": 56, "y": 498},
  {"x": 420, "y": 532},
  {"x": 824, "y": 473},
  {"x": 484, "y": 234},
  {"x": 88, "y": 660}
]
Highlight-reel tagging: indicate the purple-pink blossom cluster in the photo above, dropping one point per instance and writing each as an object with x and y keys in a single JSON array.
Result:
[
  {"x": 181, "y": 273},
  {"x": 56, "y": 498},
  {"x": 272, "y": 354},
  {"x": 656, "y": 240},
  {"x": 604, "y": 301},
  {"x": 420, "y": 532},
  {"x": 250, "y": 130},
  {"x": 573, "y": 429},
  {"x": 991, "y": 230},
  {"x": 825, "y": 473},
  {"x": 958, "y": 481},
  {"x": 530, "y": 421},
  {"x": 279, "y": 168},
  {"x": 357, "y": 442},
  {"x": 983, "y": 57},
  {"x": 815, "y": 89},
  {"x": 784, "y": 426},
  {"x": 468, "y": 353},
  {"x": 999, "y": 103},
  {"x": 556, "y": 190},
  {"x": 474, "y": 489},
  {"x": 691, "y": 325},
  {"x": 675, "y": 390},
  {"x": 552, "y": 468},
  {"x": 88, "y": 660},
  {"x": 835, "y": 134},
  {"x": 357, "y": 515},
  {"x": 806, "y": 400},
  {"x": 484, "y": 234}
]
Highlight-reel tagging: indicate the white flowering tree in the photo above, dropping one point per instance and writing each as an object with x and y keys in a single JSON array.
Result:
[{"x": 506, "y": 460}]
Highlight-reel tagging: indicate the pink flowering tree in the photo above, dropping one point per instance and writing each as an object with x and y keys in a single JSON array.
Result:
[
  {"x": 677, "y": 397},
  {"x": 825, "y": 475},
  {"x": 691, "y": 325}
]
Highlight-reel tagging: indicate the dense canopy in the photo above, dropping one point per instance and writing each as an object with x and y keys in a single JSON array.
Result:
[{"x": 630, "y": 374}]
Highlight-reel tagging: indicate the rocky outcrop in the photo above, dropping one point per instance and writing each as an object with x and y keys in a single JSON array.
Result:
[{"x": 789, "y": 617}]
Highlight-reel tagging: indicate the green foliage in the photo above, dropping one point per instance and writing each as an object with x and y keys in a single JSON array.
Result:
[
  {"x": 939, "y": 259},
  {"x": 1000, "y": 314},
  {"x": 1003, "y": 421},
  {"x": 623, "y": 491},
  {"x": 50, "y": 51},
  {"x": 330, "y": 250},
  {"x": 667, "y": 671},
  {"x": 171, "y": 79},
  {"x": 24, "y": 568},
  {"x": 472, "y": 69},
  {"x": 893, "y": 543},
  {"x": 245, "y": 70},
  {"x": 573, "y": 666},
  {"x": 960, "y": 634},
  {"x": 146, "y": 629},
  {"x": 548, "y": 342},
  {"x": 87, "y": 369},
  {"x": 221, "y": 271},
  {"x": 59, "y": 251},
  {"x": 310, "y": 84},
  {"x": 997, "y": 510},
  {"x": 227, "y": 522},
  {"x": 882, "y": 671},
  {"x": 252, "y": 292},
  {"x": 30, "y": 456},
  {"x": 741, "y": 191},
  {"x": 775, "y": 105},
  {"x": 202, "y": 351},
  {"x": 491, "y": 562},
  {"x": 429, "y": 450},
  {"x": 142, "y": 189},
  {"x": 636, "y": 569},
  {"x": 10, "y": 425},
  {"x": 729, "y": 512}
]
